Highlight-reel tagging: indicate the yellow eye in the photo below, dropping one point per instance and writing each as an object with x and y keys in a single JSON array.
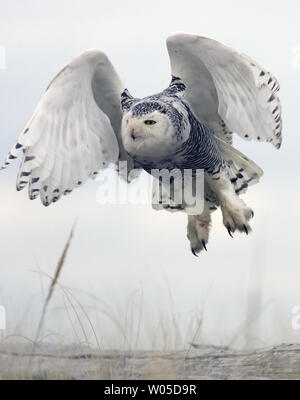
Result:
[{"x": 149, "y": 122}]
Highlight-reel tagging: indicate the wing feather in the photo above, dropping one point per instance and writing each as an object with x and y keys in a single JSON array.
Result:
[
  {"x": 222, "y": 83},
  {"x": 74, "y": 130}
]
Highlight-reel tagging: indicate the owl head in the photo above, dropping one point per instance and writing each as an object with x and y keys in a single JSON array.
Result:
[{"x": 152, "y": 129}]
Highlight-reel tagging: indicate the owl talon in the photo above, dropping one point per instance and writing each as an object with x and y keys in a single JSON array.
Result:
[
  {"x": 195, "y": 254},
  {"x": 229, "y": 231},
  {"x": 236, "y": 214},
  {"x": 198, "y": 230}
]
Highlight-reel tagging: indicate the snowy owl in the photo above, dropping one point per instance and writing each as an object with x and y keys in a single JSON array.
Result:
[{"x": 87, "y": 120}]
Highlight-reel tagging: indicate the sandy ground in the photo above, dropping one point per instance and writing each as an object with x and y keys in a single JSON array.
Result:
[{"x": 198, "y": 362}]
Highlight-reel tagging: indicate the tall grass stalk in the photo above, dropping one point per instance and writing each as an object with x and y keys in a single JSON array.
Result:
[{"x": 58, "y": 270}]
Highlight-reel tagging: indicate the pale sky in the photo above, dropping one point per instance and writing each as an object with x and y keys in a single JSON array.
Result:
[{"x": 132, "y": 257}]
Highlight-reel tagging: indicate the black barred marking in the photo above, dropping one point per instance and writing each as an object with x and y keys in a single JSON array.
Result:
[
  {"x": 233, "y": 180},
  {"x": 23, "y": 183},
  {"x": 176, "y": 85},
  {"x": 45, "y": 188},
  {"x": 29, "y": 158},
  {"x": 258, "y": 137},
  {"x": 67, "y": 191},
  {"x": 216, "y": 172},
  {"x": 24, "y": 173},
  {"x": 211, "y": 198},
  {"x": 246, "y": 135},
  {"x": 127, "y": 100},
  {"x": 275, "y": 109},
  {"x": 177, "y": 207},
  {"x": 26, "y": 130},
  {"x": 272, "y": 97},
  {"x": 146, "y": 107},
  {"x": 56, "y": 191},
  {"x": 55, "y": 199},
  {"x": 262, "y": 73},
  {"x": 12, "y": 157},
  {"x": 240, "y": 176},
  {"x": 35, "y": 180},
  {"x": 244, "y": 186},
  {"x": 269, "y": 81},
  {"x": 79, "y": 183},
  {"x": 35, "y": 190},
  {"x": 18, "y": 145}
]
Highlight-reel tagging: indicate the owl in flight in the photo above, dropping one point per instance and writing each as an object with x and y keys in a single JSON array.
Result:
[{"x": 87, "y": 120}]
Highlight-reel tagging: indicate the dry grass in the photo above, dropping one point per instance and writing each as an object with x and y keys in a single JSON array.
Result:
[
  {"x": 24, "y": 358},
  {"x": 54, "y": 281}
]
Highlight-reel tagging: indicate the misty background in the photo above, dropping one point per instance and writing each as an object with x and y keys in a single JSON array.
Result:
[{"x": 129, "y": 266}]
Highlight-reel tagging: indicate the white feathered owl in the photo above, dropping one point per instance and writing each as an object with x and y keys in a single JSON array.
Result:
[{"x": 87, "y": 120}]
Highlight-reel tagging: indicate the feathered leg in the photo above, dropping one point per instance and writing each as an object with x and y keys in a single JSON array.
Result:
[
  {"x": 198, "y": 229},
  {"x": 236, "y": 213}
]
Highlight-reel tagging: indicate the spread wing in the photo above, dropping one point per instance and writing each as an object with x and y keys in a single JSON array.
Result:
[
  {"x": 74, "y": 131},
  {"x": 227, "y": 89}
]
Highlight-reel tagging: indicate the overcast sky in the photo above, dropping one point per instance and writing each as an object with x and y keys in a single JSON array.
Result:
[{"x": 131, "y": 256}]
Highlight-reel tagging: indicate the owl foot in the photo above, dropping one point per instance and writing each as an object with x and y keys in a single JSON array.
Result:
[
  {"x": 197, "y": 232},
  {"x": 236, "y": 214}
]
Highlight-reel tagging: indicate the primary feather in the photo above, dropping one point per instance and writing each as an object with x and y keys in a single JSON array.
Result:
[
  {"x": 74, "y": 131},
  {"x": 224, "y": 85}
]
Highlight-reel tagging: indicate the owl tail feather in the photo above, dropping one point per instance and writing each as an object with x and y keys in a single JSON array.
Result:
[{"x": 242, "y": 171}]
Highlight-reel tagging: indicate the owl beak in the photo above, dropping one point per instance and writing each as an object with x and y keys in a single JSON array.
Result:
[{"x": 134, "y": 134}]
